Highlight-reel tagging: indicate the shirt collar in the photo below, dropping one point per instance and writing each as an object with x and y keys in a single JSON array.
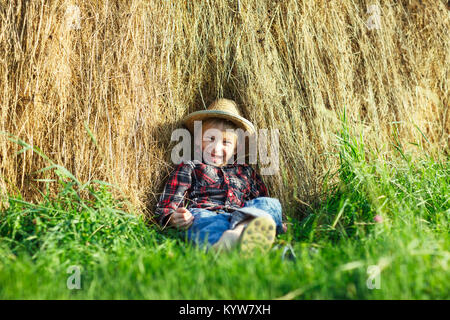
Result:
[{"x": 234, "y": 163}]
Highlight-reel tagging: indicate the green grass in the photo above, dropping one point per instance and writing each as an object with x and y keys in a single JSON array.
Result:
[{"x": 122, "y": 257}]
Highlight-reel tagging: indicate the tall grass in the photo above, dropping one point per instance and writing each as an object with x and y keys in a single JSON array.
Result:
[
  {"x": 122, "y": 257},
  {"x": 135, "y": 68}
]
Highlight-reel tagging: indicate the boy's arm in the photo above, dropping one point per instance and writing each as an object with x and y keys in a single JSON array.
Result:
[
  {"x": 258, "y": 188},
  {"x": 173, "y": 195}
]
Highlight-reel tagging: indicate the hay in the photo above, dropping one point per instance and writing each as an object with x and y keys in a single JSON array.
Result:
[{"x": 131, "y": 70}]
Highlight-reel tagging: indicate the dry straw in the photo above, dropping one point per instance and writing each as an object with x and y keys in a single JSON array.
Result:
[{"x": 131, "y": 70}]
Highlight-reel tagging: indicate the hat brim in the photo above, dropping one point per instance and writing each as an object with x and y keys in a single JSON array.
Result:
[{"x": 241, "y": 122}]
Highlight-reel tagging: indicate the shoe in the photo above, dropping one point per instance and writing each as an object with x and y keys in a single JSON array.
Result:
[{"x": 258, "y": 235}]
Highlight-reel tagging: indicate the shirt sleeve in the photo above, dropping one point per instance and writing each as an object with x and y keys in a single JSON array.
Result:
[
  {"x": 173, "y": 195},
  {"x": 258, "y": 188}
]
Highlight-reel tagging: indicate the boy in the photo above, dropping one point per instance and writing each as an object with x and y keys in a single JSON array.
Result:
[{"x": 227, "y": 203}]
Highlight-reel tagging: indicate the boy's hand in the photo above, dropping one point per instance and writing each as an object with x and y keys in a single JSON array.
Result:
[{"x": 181, "y": 218}]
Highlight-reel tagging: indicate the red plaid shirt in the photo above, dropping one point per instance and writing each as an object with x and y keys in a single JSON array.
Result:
[{"x": 194, "y": 184}]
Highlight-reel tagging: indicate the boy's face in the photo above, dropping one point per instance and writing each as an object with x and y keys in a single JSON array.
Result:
[{"x": 218, "y": 145}]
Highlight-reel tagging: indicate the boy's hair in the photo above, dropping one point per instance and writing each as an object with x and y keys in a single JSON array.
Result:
[{"x": 227, "y": 124}]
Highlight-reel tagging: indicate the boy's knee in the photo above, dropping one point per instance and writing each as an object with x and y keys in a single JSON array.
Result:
[{"x": 268, "y": 201}]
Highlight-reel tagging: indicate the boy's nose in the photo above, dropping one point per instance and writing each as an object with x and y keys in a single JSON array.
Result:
[{"x": 217, "y": 150}]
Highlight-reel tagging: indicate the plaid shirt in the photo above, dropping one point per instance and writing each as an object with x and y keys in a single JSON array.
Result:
[{"x": 194, "y": 184}]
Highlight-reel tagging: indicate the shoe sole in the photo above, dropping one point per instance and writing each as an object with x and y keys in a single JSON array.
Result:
[{"x": 259, "y": 235}]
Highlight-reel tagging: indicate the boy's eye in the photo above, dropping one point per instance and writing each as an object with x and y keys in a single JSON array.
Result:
[{"x": 210, "y": 138}]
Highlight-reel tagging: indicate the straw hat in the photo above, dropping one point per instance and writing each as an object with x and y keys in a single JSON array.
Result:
[{"x": 221, "y": 108}]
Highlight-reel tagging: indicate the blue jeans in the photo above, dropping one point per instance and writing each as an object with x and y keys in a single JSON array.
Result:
[{"x": 208, "y": 226}]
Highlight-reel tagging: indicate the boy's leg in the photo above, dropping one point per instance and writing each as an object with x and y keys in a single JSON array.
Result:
[
  {"x": 230, "y": 238},
  {"x": 253, "y": 233},
  {"x": 272, "y": 206},
  {"x": 255, "y": 227},
  {"x": 207, "y": 227}
]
